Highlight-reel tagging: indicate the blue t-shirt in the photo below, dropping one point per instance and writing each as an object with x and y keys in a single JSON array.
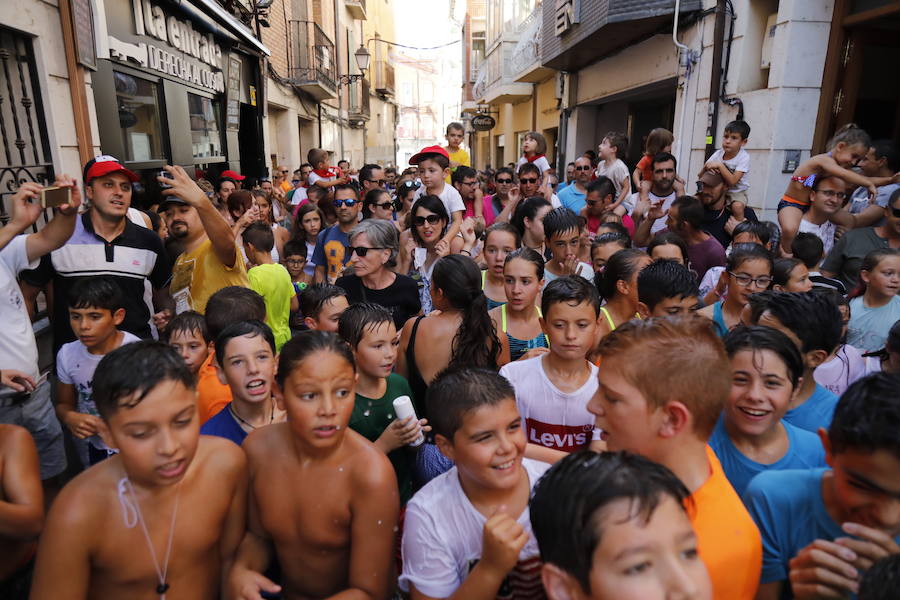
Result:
[
  {"x": 815, "y": 412},
  {"x": 788, "y": 509},
  {"x": 331, "y": 251},
  {"x": 226, "y": 426},
  {"x": 572, "y": 199},
  {"x": 804, "y": 452},
  {"x": 868, "y": 328}
]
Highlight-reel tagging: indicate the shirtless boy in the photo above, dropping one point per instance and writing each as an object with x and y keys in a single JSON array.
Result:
[
  {"x": 323, "y": 499},
  {"x": 165, "y": 514},
  {"x": 21, "y": 508}
]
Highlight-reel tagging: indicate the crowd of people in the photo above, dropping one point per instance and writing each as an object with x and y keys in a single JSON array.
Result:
[{"x": 441, "y": 382}]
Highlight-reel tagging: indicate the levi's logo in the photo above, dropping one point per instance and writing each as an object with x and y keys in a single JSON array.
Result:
[{"x": 568, "y": 438}]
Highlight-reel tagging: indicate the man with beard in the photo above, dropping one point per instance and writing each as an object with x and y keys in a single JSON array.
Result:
[
  {"x": 331, "y": 253},
  {"x": 210, "y": 260},
  {"x": 106, "y": 242},
  {"x": 657, "y": 193},
  {"x": 717, "y": 219}
]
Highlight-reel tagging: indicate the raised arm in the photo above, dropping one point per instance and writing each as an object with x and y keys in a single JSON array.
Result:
[
  {"x": 58, "y": 231},
  {"x": 217, "y": 228}
]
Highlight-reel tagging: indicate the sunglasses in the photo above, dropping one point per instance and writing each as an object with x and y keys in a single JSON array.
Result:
[
  {"x": 361, "y": 251},
  {"x": 348, "y": 202},
  {"x": 430, "y": 219},
  {"x": 583, "y": 168},
  {"x": 385, "y": 205},
  {"x": 503, "y": 181},
  {"x": 527, "y": 180},
  {"x": 377, "y": 181}
]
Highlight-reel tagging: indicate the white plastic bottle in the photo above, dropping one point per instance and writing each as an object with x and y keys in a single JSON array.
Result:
[{"x": 403, "y": 407}]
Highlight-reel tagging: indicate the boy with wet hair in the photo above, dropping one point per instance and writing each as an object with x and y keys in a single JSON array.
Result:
[
  {"x": 823, "y": 528},
  {"x": 229, "y": 305},
  {"x": 322, "y": 305},
  {"x": 187, "y": 333},
  {"x": 467, "y": 533},
  {"x": 599, "y": 518},
  {"x": 562, "y": 230},
  {"x": 665, "y": 289},
  {"x": 669, "y": 419},
  {"x": 813, "y": 322},
  {"x": 165, "y": 514}
]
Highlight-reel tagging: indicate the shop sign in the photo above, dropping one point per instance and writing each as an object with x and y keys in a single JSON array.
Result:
[
  {"x": 189, "y": 52},
  {"x": 483, "y": 122},
  {"x": 566, "y": 15}
]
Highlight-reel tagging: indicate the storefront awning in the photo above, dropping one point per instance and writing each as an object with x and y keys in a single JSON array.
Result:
[{"x": 233, "y": 24}]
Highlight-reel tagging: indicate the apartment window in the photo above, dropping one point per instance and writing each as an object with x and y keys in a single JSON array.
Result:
[
  {"x": 206, "y": 137},
  {"x": 138, "y": 103}
]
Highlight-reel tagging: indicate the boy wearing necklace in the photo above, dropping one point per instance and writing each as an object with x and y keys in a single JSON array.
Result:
[
  {"x": 164, "y": 514},
  {"x": 246, "y": 360}
]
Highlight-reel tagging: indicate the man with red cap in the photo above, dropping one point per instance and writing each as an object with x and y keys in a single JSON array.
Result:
[
  {"x": 107, "y": 242},
  {"x": 210, "y": 260}
]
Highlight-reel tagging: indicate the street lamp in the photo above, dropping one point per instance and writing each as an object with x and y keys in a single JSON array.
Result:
[{"x": 362, "y": 61}]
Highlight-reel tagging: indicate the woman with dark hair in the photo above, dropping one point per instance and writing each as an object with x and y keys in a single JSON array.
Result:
[
  {"x": 423, "y": 245},
  {"x": 749, "y": 271},
  {"x": 266, "y": 203},
  {"x": 238, "y": 203},
  {"x": 529, "y": 220},
  {"x": 461, "y": 334},
  {"x": 374, "y": 245},
  {"x": 378, "y": 204},
  {"x": 307, "y": 225},
  {"x": 670, "y": 246},
  {"x": 617, "y": 285}
]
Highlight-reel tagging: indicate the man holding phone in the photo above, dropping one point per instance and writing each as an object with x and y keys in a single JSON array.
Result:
[
  {"x": 24, "y": 392},
  {"x": 107, "y": 242}
]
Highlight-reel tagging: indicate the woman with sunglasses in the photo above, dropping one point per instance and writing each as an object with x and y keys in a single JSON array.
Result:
[
  {"x": 423, "y": 245},
  {"x": 374, "y": 246},
  {"x": 748, "y": 271},
  {"x": 378, "y": 204}
]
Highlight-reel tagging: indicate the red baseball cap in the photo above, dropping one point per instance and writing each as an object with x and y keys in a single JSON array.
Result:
[
  {"x": 426, "y": 153},
  {"x": 104, "y": 165},
  {"x": 232, "y": 175}
]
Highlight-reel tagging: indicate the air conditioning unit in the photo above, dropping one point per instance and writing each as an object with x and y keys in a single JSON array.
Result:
[{"x": 765, "y": 60}]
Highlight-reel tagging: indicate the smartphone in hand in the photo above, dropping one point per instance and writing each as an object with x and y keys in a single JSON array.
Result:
[{"x": 54, "y": 196}]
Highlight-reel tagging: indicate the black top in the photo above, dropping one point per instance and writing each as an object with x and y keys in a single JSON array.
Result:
[
  {"x": 401, "y": 298},
  {"x": 714, "y": 223},
  {"x": 133, "y": 258}
]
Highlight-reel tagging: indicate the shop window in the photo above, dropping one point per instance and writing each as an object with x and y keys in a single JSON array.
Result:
[
  {"x": 138, "y": 103},
  {"x": 206, "y": 137}
]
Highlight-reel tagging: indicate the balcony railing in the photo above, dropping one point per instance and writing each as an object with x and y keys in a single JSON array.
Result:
[
  {"x": 311, "y": 60},
  {"x": 357, "y": 8},
  {"x": 528, "y": 48},
  {"x": 359, "y": 108},
  {"x": 480, "y": 85},
  {"x": 384, "y": 78}
]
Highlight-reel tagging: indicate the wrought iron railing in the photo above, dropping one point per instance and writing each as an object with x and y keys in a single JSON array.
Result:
[
  {"x": 311, "y": 57},
  {"x": 384, "y": 77},
  {"x": 528, "y": 48},
  {"x": 25, "y": 154},
  {"x": 480, "y": 85}
]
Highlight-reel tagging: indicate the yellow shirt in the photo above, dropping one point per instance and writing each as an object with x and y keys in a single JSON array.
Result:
[
  {"x": 461, "y": 157},
  {"x": 199, "y": 274}
]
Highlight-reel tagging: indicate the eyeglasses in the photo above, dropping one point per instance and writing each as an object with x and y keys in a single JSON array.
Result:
[
  {"x": 285, "y": 172},
  {"x": 583, "y": 168},
  {"x": 376, "y": 181},
  {"x": 295, "y": 181},
  {"x": 361, "y": 251},
  {"x": 469, "y": 183},
  {"x": 527, "y": 180},
  {"x": 385, "y": 205},
  {"x": 430, "y": 219},
  {"x": 348, "y": 202},
  {"x": 832, "y": 194},
  {"x": 895, "y": 212},
  {"x": 762, "y": 282},
  {"x": 503, "y": 181}
]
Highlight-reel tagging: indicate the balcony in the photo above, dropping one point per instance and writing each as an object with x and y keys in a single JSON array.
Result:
[
  {"x": 359, "y": 109},
  {"x": 525, "y": 64},
  {"x": 480, "y": 85},
  {"x": 311, "y": 60},
  {"x": 500, "y": 87},
  {"x": 356, "y": 8},
  {"x": 384, "y": 78}
]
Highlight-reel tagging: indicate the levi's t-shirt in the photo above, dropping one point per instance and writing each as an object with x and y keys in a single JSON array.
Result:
[{"x": 552, "y": 418}]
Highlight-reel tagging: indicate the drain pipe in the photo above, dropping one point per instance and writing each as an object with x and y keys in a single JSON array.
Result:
[
  {"x": 715, "y": 79},
  {"x": 684, "y": 60}
]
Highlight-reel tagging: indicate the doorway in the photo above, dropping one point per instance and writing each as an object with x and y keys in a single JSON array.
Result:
[
  {"x": 250, "y": 142},
  {"x": 644, "y": 117},
  {"x": 856, "y": 88}
]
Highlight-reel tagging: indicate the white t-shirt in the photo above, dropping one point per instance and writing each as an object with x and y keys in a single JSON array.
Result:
[
  {"x": 583, "y": 269},
  {"x": 443, "y": 537},
  {"x": 740, "y": 162},
  {"x": 541, "y": 163},
  {"x": 314, "y": 177},
  {"x": 617, "y": 172},
  {"x": 824, "y": 232},
  {"x": 552, "y": 418},
  {"x": 299, "y": 196},
  {"x": 660, "y": 223},
  {"x": 836, "y": 375},
  {"x": 18, "y": 348},
  {"x": 449, "y": 196},
  {"x": 710, "y": 279},
  {"x": 75, "y": 366}
]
